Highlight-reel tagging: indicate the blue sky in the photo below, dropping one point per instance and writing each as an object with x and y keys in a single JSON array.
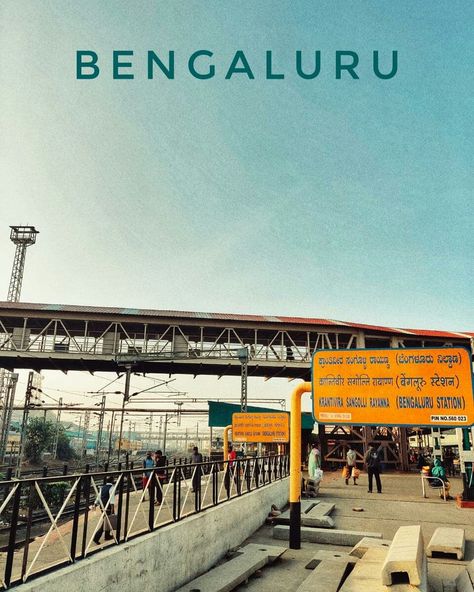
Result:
[{"x": 330, "y": 198}]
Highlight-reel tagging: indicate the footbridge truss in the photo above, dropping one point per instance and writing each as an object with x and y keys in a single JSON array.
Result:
[{"x": 65, "y": 337}]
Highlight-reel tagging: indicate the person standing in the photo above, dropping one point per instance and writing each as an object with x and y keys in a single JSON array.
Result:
[
  {"x": 106, "y": 501},
  {"x": 373, "y": 462},
  {"x": 148, "y": 463},
  {"x": 449, "y": 462},
  {"x": 196, "y": 459},
  {"x": 314, "y": 461},
  {"x": 351, "y": 464}
]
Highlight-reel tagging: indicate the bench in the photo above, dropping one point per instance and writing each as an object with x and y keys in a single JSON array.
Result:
[{"x": 433, "y": 483}]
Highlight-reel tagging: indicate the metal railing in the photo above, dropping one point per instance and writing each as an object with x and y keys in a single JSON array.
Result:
[{"x": 49, "y": 522}]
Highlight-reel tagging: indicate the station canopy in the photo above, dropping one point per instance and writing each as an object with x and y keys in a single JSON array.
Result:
[{"x": 220, "y": 414}]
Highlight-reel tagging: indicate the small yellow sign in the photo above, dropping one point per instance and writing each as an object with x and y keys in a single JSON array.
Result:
[
  {"x": 260, "y": 427},
  {"x": 395, "y": 387}
]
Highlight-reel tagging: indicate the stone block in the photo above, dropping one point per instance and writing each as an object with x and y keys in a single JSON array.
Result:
[
  {"x": 312, "y": 514},
  {"x": 229, "y": 575},
  {"x": 366, "y": 575},
  {"x": 368, "y": 543},
  {"x": 449, "y": 541},
  {"x": 322, "y": 554},
  {"x": 325, "y": 536},
  {"x": 464, "y": 582},
  {"x": 326, "y": 576},
  {"x": 405, "y": 557}
]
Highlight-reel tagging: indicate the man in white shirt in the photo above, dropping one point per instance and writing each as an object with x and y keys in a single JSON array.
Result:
[{"x": 351, "y": 464}]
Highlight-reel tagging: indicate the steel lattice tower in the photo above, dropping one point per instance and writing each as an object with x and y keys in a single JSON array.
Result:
[{"x": 22, "y": 237}]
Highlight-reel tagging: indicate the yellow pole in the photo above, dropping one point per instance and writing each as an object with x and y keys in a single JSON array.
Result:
[
  {"x": 227, "y": 429},
  {"x": 295, "y": 464}
]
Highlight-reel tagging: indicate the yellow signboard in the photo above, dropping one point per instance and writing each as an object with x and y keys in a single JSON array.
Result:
[
  {"x": 397, "y": 387},
  {"x": 260, "y": 427}
]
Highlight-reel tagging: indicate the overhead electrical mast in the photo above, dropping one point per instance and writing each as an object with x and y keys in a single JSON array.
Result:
[{"x": 22, "y": 237}]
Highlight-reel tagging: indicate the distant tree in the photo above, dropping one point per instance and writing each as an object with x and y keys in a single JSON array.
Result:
[
  {"x": 65, "y": 450},
  {"x": 39, "y": 437}
]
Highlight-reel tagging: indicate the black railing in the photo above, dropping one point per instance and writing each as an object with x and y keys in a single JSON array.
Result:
[{"x": 49, "y": 522}]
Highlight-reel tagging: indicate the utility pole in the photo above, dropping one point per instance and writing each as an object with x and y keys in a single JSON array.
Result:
[
  {"x": 164, "y": 434},
  {"x": 111, "y": 433},
  {"x": 126, "y": 397},
  {"x": 87, "y": 417},
  {"x": 56, "y": 436},
  {"x": 150, "y": 425},
  {"x": 243, "y": 355},
  {"x": 22, "y": 237},
  {"x": 99, "y": 431},
  {"x": 24, "y": 422},
  {"x": 12, "y": 379}
]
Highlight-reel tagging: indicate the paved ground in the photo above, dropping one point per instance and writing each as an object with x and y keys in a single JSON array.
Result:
[{"x": 401, "y": 503}]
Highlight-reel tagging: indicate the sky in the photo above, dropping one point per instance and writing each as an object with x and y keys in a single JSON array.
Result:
[{"x": 344, "y": 199}]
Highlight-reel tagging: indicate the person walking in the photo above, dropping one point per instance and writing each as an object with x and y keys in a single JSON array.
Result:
[
  {"x": 196, "y": 458},
  {"x": 373, "y": 462},
  {"x": 351, "y": 465},
  {"x": 106, "y": 500}
]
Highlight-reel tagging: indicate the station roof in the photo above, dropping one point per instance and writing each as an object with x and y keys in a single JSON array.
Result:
[{"x": 231, "y": 317}]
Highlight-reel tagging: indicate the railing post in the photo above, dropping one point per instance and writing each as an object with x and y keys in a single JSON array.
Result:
[
  {"x": 28, "y": 533},
  {"x": 238, "y": 482},
  {"x": 75, "y": 521},
  {"x": 152, "y": 483},
  {"x": 87, "y": 491},
  {"x": 65, "y": 469},
  {"x": 12, "y": 535},
  {"x": 127, "y": 505},
  {"x": 215, "y": 473},
  {"x": 119, "y": 506},
  {"x": 174, "y": 496}
]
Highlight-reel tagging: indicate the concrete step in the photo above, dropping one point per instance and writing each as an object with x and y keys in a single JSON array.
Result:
[
  {"x": 324, "y": 535},
  {"x": 405, "y": 557},
  {"x": 327, "y": 576},
  {"x": 465, "y": 580},
  {"x": 448, "y": 541},
  {"x": 367, "y": 575},
  {"x": 322, "y": 554},
  {"x": 368, "y": 543},
  {"x": 229, "y": 575},
  {"x": 312, "y": 514}
]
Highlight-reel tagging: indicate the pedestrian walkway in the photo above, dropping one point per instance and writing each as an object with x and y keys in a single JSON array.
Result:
[{"x": 401, "y": 503}]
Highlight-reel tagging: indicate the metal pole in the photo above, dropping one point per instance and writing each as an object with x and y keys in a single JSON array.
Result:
[
  {"x": 164, "y": 433},
  {"x": 24, "y": 423},
  {"x": 295, "y": 464},
  {"x": 126, "y": 396},
  {"x": 111, "y": 431},
  {"x": 99, "y": 431},
  {"x": 56, "y": 436},
  {"x": 12, "y": 379}
]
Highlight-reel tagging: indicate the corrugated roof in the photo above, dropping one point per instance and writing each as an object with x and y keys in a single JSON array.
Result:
[{"x": 180, "y": 314}]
